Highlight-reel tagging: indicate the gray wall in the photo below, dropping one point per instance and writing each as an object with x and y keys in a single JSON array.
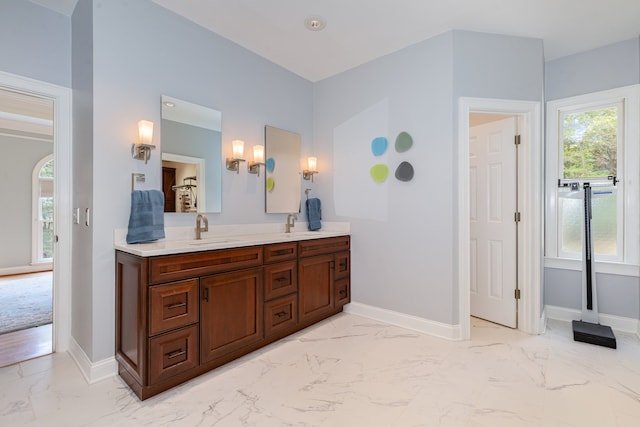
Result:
[
  {"x": 404, "y": 253},
  {"x": 608, "y": 67},
  {"x": 35, "y": 42},
  {"x": 604, "y": 68},
  {"x": 135, "y": 60},
  {"x": 19, "y": 157},
  {"x": 82, "y": 302}
]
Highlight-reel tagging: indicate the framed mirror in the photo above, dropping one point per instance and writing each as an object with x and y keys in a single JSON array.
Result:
[
  {"x": 191, "y": 156},
  {"x": 282, "y": 164}
]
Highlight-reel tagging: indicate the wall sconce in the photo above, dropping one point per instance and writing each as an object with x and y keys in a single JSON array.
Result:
[
  {"x": 312, "y": 165},
  {"x": 141, "y": 149},
  {"x": 233, "y": 163},
  {"x": 258, "y": 159}
]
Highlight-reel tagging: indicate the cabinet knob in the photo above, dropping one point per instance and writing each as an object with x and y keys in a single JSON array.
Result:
[{"x": 282, "y": 313}]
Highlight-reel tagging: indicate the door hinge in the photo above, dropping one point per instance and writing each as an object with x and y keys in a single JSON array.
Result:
[
  {"x": 516, "y": 217},
  {"x": 517, "y": 294},
  {"x": 517, "y": 140}
]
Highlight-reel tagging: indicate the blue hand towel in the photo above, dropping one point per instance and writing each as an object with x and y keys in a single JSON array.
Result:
[
  {"x": 146, "y": 220},
  {"x": 314, "y": 214}
]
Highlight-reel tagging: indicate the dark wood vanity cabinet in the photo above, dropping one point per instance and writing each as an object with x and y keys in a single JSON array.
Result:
[
  {"x": 324, "y": 270},
  {"x": 178, "y": 316}
]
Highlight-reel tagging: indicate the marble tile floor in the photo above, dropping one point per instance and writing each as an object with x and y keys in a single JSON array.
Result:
[{"x": 352, "y": 371}]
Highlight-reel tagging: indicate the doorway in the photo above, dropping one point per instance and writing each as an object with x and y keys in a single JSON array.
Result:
[
  {"x": 48, "y": 216},
  {"x": 493, "y": 207},
  {"x": 530, "y": 202}
]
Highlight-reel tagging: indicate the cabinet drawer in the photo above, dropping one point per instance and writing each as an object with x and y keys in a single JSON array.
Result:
[
  {"x": 176, "y": 267},
  {"x": 342, "y": 265},
  {"x": 173, "y": 353},
  {"x": 280, "y": 314},
  {"x": 173, "y": 305},
  {"x": 342, "y": 292},
  {"x": 280, "y": 252},
  {"x": 323, "y": 246},
  {"x": 280, "y": 279}
]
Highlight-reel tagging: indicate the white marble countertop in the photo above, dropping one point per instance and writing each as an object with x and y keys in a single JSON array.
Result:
[{"x": 182, "y": 239}]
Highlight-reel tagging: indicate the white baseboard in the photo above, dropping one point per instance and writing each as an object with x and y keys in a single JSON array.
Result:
[
  {"x": 92, "y": 372},
  {"x": 425, "y": 326},
  {"x": 622, "y": 324},
  {"x": 23, "y": 269}
]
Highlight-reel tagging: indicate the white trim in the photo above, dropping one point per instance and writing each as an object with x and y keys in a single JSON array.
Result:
[
  {"x": 622, "y": 324},
  {"x": 62, "y": 190},
  {"x": 530, "y": 203},
  {"x": 425, "y": 326},
  {"x": 92, "y": 372},
  {"x": 630, "y": 97},
  {"x": 24, "y": 269},
  {"x": 612, "y": 268}
]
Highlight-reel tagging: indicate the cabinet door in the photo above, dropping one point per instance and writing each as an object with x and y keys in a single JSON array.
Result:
[
  {"x": 231, "y": 316},
  {"x": 315, "y": 290}
]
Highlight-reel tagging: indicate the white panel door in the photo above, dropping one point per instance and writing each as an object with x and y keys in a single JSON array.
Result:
[{"x": 492, "y": 191}]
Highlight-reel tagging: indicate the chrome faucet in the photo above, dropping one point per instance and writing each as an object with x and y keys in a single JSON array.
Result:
[
  {"x": 199, "y": 219},
  {"x": 291, "y": 222}
]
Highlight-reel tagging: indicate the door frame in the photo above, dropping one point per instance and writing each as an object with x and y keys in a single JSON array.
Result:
[
  {"x": 530, "y": 240},
  {"x": 61, "y": 97}
]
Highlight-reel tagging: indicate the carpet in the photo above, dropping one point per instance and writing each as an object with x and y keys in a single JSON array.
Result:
[{"x": 25, "y": 301}]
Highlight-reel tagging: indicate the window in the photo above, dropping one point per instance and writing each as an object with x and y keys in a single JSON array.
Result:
[
  {"x": 43, "y": 235},
  {"x": 592, "y": 138}
]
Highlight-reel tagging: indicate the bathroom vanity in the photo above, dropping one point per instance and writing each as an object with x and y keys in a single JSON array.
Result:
[{"x": 183, "y": 309}]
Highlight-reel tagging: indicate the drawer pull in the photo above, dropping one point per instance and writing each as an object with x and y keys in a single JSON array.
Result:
[
  {"x": 343, "y": 293},
  {"x": 206, "y": 294},
  {"x": 175, "y": 354},
  {"x": 178, "y": 305},
  {"x": 282, "y": 252},
  {"x": 343, "y": 265},
  {"x": 282, "y": 313},
  {"x": 282, "y": 279}
]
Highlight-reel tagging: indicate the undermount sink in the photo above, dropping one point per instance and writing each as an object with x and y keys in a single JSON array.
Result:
[
  {"x": 213, "y": 241},
  {"x": 303, "y": 234}
]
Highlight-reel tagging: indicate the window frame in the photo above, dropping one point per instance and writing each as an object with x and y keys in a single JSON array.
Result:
[{"x": 628, "y": 173}]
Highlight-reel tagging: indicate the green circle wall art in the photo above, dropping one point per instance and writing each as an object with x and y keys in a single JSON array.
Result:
[
  {"x": 271, "y": 184},
  {"x": 403, "y": 142},
  {"x": 379, "y": 172}
]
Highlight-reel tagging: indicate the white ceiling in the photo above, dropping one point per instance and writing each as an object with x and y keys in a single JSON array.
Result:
[{"x": 358, "y": 31}]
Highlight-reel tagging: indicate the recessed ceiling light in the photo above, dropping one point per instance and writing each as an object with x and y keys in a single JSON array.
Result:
[
  {"x": 169, "y": 104},
  {"x": 315, "y": 23}
]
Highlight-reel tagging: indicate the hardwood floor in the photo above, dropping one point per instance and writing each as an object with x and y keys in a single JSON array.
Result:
[{"x": 26, "y": 344}]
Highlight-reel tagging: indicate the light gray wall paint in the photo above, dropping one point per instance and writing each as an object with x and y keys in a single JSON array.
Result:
[
  {"x": 19, "y": 158},
  {"x": 608, "y": 67},
  {"x": 404, "y": 261},
  {"x": 140, "y": 51},
  {"x": 35, "y": 42},
  {"x": 82, "y": 159},
  {"x": 617, "y": 295},
  {"x": 496, "y": 66}
]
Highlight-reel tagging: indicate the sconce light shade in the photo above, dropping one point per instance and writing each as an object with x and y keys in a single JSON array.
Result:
[
  {"x": 233, "y": 163},
  {"x": 258, "y": 159},
  {"x": 238, "y": 148},
  {"x": 141, "y": 149},
  {"x": 312, "y": 166},
  {"x": 145, "y": 132}
]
